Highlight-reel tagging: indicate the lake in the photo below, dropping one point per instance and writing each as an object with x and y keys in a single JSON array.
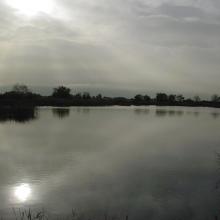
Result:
[{"x": 145, "y": 162}]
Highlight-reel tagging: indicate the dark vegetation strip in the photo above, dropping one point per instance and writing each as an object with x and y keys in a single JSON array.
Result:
[{"x": 21, "y": 96}]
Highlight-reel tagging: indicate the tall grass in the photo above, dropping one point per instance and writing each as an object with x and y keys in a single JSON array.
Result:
[{"x": 29, "y": 214}]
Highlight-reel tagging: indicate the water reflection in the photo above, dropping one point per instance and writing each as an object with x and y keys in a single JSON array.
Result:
[
  {"x": 22, "y": 192},
  {"x": 168, "y": 112},
  {"x": 83, "y": 110},
  {"x": 215, "y": 114},
  {"x": 61, "y": 112},
  {"x": 196, "y": 113},
  {"x": 18, "y": 114},
  {"x": 142, "y": 111},
  {"x": 116, "y": 161}
]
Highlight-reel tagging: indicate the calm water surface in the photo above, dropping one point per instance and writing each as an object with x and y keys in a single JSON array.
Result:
[{"x": 150, "y": 163}]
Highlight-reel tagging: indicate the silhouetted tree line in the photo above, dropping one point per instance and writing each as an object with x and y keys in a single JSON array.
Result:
[{"x": 21, "y": 95}]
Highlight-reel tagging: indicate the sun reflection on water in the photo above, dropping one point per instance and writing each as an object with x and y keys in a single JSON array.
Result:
[{"x": 22, "y": 192}]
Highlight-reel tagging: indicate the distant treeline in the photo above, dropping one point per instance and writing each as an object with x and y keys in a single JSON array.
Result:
[{"x": 20, "y": 95}]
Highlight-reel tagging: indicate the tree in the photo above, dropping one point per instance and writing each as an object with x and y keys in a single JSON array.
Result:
[
  {"x": 99, "y": 97},
  {"x": 61, "y": 92},
  {"x": 86, "y": 95},
  {"x": 138, "y": 98},
  {"x": 215, "y": 98},
  {"x": 180, "y": 98},
  {"x": 20, "y": 89},
  {"x": 78, "y": 96},
  {"x": 147, "y": 98},
  {"x": 161, "y": 97},
  {"x": 196, "y": 98},
  {"x": 172, "y": 98}
]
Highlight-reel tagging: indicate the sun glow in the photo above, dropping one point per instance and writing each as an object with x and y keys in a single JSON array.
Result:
[
  {"x": 22, "y": 192},
  {"x": 31, "y": 7}
]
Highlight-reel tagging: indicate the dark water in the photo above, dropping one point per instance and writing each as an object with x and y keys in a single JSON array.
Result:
[{"x": 147, "y": 163}]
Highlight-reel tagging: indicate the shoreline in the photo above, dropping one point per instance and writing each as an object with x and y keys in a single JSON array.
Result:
[{"x": 28, "y": 106}]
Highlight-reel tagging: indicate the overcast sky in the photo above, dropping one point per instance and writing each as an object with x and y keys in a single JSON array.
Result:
[{"x": 129, "y": 45}]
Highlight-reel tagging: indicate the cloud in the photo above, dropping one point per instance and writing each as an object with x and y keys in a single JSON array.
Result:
[{"x": 132, "y": 44}]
